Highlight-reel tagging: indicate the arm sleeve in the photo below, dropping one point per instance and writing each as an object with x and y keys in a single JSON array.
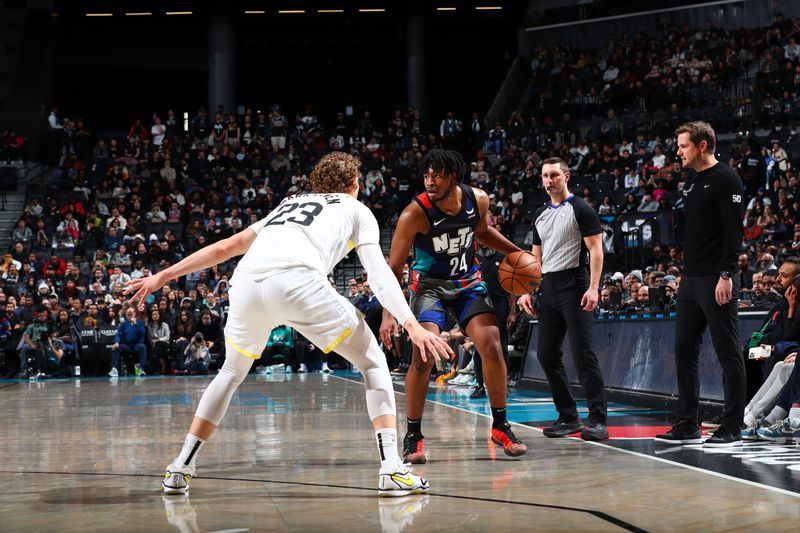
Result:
[
  {"x": 366, "y": 230},
  {"x": 731, "y": 213},
  {"x": 588, "y": 221},
  {"x": 536, "y": 238},
  {"x": 383, "y": 282}
]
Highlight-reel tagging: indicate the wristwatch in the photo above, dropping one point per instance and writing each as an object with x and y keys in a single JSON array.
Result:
[{"x": 725, "y": 274}]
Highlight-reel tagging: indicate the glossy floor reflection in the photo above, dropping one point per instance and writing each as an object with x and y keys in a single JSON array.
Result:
[{"x": 296, "y": 453}]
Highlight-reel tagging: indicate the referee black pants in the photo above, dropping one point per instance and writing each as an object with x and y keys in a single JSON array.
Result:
[
  {"x": 560, "y": 314},
  {"x": 697, "y": 308}
]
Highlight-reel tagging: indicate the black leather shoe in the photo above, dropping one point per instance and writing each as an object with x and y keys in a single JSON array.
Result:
[
  {"x": 563, "y": 428},
  {"x": 478, "y": 392},
  {"x": 595, "y": 431}
]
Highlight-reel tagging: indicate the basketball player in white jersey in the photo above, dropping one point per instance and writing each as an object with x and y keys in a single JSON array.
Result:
[{"x": 282, "y": 279}]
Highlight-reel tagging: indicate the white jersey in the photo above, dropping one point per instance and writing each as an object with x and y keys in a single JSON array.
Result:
[{"x": 310, "y": 230}]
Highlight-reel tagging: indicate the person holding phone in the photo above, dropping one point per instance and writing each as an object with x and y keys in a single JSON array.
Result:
[{"x": 767, "y": 344}]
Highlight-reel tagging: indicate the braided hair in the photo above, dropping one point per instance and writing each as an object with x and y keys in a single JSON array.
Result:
[{"x": 447, "y": 161}]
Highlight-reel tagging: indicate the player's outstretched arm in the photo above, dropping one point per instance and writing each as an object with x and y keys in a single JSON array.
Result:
[
  {"x": 410, "y": 222},
  {"x": 387, "y": 289},
  {"x": 205, "y": 257}
]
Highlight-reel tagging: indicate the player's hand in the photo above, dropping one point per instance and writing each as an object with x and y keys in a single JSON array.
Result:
[
  {"x": 430, "y": 344},
  {"x": 142, "y": 287},
  {"x": 724, "y": 291},
  {"x": 389, "y": 330},
  {"x": 790, "y": 358},
  {"x": 526, "y": 303},
  {"x": 510, "y": 321},
  {"x": 589, "y": 300}
]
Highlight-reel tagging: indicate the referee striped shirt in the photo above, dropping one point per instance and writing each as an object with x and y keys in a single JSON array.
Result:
[{"x": 560, "y": 229}]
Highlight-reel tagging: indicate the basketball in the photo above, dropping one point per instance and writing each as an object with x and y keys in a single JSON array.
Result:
[{"x": 520, "y": 272}]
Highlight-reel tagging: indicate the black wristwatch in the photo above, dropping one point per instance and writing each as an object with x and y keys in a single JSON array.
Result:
[{"x": 725, "y": 274}]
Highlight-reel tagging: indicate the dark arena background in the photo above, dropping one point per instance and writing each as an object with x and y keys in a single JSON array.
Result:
[{"x": 137, "y": 133}]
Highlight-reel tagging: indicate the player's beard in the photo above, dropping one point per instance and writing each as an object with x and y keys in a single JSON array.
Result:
[{"x": 441, "y": 195}]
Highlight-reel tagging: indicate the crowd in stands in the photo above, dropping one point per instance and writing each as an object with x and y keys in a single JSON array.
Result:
[{"x": 116, "y": 208}]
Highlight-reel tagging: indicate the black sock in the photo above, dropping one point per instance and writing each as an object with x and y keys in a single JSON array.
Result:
[
  {"x": 414, "y": 425},
  {"x": 499, "y": 417}
]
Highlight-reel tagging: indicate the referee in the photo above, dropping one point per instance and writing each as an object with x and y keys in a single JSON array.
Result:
[
  {"x": 709, "y": 288},
  {"x": 564, "y": 230}
]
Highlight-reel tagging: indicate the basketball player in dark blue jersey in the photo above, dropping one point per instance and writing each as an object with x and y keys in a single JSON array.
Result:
[{"x": 442, "y": 224}]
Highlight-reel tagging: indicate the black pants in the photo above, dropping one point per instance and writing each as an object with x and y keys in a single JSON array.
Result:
[
  {"x": 697, "y": 308},
  {"x": 501, "y": 310},
  {"x": 560, "y": 314}
]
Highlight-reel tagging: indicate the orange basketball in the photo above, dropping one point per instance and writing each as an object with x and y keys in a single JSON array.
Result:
[{"x": 519, "y": 272}]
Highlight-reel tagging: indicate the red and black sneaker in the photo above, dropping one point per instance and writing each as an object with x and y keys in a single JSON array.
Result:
[
  {"x": 504, "y": 437},
  {"x": 412, "y": 449}
]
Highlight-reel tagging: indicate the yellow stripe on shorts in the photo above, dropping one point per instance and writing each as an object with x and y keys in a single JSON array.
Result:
[
  {"x": 351, "y": 244},
  {"x": 339, "y": 339},
  {"x": 245, "y": 352}
]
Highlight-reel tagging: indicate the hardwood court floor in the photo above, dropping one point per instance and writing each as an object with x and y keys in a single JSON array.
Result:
[{"x": 296, "y": 453}]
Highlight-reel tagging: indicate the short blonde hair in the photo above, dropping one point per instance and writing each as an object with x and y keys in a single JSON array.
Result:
[{"x": 335, "y": 172}]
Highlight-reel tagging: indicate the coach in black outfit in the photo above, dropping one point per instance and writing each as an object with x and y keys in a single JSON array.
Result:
[
  {"x": 564, "y": 230},
  {"x": 709, "y": 287}
]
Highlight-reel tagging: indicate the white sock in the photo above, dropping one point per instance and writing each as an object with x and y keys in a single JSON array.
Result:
[
  {"x": 777, "y": 414},
  {"x": 191, "y": 447},
  {"x": 387, "y": 446},
  {"x": 749, "y": 419},
  {"x": 794, "y": 417}
]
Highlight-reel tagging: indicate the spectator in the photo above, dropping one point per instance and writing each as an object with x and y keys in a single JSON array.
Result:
[
  {"x": 130, "y": 339},
  {"x": 158, "y": 338},
  {"x": 33, "y": 346},
  {"x": 22, "y": 233},
  {"x": 196, "y": 356}
]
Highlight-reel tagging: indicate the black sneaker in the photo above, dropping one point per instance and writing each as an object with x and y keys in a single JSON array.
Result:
[
  {"x": 412, "y": 449},
  {"x": 478, "y": 392},
  {"x": 681, "y": 434},
  {"x": 594, "y": 431},
  {"x": 563, "y": 428},
  {"x": 712, "y": 423},
  {"x": 724, "y": 437}
]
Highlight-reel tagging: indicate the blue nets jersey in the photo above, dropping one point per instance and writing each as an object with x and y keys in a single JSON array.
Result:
[{"x": 447, "y": 251}]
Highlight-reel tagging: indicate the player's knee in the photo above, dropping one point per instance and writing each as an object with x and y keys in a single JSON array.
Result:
[
  {"x": 493, "y": 356},
  {"x": 235, "y": 368}
]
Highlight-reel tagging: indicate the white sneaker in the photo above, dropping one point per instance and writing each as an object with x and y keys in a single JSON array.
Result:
[
  {"x": 463, "y": 379},
  {"x": 325, "y": 369},
  {"x": 268, "y": 370},
  {"x": 289, "y": 369},
  {"x": 455, "y": 380},
  {"x": 398, "y": 481},
  {"x": 303, "y": 369},
  {"x": 177, "y": 479},
  {"x": 113, "y": 373}
]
